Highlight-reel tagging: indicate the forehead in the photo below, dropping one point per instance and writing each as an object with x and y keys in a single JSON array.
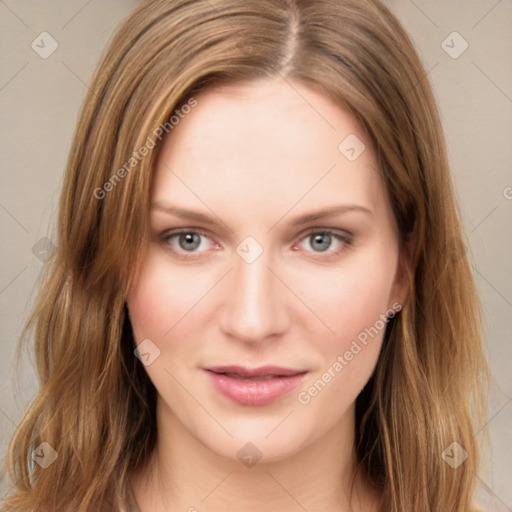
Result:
[
  {"x": 264, "y": 142},
  {"x": 282, "y": 114}
]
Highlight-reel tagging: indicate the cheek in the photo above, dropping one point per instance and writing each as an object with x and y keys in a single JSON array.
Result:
[
  {"x": 365, "y": 300},
  {"x": 355, "y": 309},
  {"x": 351, "y": 298},
  {"x": 160, "y": 300}
]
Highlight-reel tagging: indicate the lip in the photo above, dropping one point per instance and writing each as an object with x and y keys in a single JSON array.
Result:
[{"x": 254, "y": 386}]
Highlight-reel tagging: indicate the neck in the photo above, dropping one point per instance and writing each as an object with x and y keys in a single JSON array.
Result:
[{"x": 184, "y": 474}]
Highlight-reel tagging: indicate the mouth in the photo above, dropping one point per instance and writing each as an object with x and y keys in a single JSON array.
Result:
[{"x": 254, "y": 386}]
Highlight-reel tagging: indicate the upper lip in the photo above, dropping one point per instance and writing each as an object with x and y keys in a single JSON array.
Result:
[{"x": 255, "y": 372}]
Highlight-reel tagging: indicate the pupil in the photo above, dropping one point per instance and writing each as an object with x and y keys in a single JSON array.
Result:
[
  {"x": 189, "y": 241},
  {"x": 324, "y": 240}
]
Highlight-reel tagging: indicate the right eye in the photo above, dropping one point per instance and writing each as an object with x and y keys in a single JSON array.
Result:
[{"x": 185, "y": 243}]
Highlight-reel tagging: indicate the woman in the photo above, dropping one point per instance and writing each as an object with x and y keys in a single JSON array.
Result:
[{"x": 259, "y": 297}]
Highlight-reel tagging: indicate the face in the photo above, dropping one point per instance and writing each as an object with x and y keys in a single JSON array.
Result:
[{"x": 273, "y": 264}]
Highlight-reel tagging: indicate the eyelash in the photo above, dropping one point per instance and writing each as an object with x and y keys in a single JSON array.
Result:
[{"x": 344, "y": 237}]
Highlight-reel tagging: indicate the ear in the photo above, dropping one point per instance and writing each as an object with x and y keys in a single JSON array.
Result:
[{"x": 405, "y": 270}]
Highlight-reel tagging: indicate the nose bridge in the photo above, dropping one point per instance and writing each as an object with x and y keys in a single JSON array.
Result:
[{"x": 254, "y": 307}]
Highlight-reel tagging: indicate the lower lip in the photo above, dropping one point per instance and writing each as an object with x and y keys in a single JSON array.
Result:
[{"x": 254, "y": 392}]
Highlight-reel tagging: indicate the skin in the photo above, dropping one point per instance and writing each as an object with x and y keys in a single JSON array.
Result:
[{"x": 254, "y": 157}]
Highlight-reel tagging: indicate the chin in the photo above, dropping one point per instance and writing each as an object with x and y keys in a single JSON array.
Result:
[{"x": 254, "y": 442}]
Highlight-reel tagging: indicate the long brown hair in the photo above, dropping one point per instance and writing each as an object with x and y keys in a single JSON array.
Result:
[{"x": 96, "y": 405}]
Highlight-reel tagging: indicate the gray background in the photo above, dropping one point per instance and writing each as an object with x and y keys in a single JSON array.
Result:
[{"x": 39, "y": 102}]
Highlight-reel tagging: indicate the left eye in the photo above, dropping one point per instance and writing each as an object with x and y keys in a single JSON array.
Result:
[{"x": 322, "y": 241}]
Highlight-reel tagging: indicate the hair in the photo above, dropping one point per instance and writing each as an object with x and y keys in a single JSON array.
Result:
[{"x": 96, "y": 405}]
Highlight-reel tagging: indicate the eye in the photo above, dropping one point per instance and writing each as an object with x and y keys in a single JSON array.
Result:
[
  {"x": 191, "y": 243},
  {"x": 321, "y": 241},
  {"x": 185, "y": 242}
]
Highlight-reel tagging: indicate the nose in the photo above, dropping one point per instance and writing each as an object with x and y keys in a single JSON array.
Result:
[{"x": 254, "y": 309}]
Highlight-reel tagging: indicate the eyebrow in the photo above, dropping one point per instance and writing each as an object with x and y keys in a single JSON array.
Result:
[{"x": 193, "y": 215}]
